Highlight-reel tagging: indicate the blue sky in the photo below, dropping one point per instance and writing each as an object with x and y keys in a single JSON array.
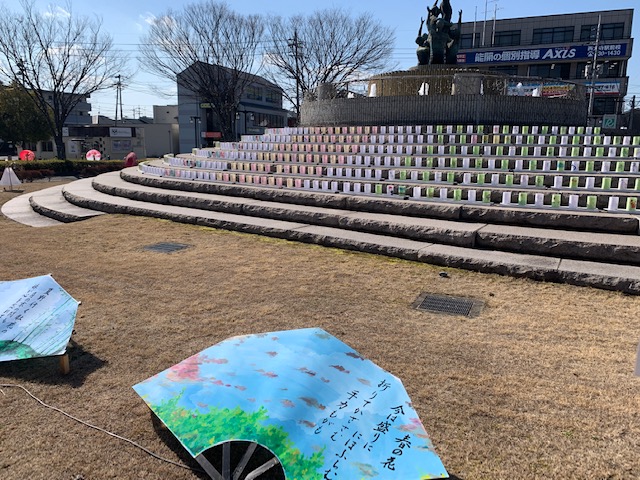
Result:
[{"x": 126, "y": 20}]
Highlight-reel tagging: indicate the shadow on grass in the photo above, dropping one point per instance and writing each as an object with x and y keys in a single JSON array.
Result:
[
  {"x": 185, "y": 457},
  {"x": 172, "y": 442},
  {"x": 47, "y": 369}
]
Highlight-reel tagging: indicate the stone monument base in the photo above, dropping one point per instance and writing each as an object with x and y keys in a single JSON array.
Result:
[{"x": 439, "y": 94}]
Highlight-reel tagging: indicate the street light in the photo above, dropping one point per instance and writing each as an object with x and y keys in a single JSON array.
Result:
[
  {"x": 594, "y": 72},
  {"x": 195, "y": 119},
  {"x": 251, "y": 117},
  {"x": 246, "y": 115}
]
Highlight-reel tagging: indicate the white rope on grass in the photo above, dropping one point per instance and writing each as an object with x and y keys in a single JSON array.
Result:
[{"x": 9, "y": 385}]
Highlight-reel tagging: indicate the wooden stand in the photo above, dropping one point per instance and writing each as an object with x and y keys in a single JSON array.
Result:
[{"x": 64, "y": 364}]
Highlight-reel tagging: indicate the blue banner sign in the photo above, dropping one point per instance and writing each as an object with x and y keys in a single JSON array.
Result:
[{"x": 542, "y": 54}]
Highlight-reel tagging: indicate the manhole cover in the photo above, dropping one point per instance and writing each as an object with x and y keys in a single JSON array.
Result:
[
  {"x": 448, "y": 304},
  {"x": 166, "y": 247}
]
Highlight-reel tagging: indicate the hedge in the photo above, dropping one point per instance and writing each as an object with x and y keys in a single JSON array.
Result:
[{"x": 48, "y": 168}]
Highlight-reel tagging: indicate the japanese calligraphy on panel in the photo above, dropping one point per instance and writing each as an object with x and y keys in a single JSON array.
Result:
[{"x": 324, "y": 410}]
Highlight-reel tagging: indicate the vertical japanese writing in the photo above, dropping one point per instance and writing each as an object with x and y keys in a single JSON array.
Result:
[
  {"x": 402, "y": 443},
  {"x": 346, "y": 432}
]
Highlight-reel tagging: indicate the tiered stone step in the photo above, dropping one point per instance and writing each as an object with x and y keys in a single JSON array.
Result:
[
  {"x": 51, "y": 204},
  {"x": 333, "y": 228},
  {"x": 551, "y": 203},
  {"x": 19, "y": 210},
  {"x": 45, "y": 208},
  {"x": 534, "y": 167},
  {"x": 563, "y": 243}
]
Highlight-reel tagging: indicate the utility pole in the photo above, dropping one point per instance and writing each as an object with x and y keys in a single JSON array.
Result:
[
  {"x": 473, "y": 37},
  {"x": 295, "y": 45},
  {"x": 594, "y": 70},
  {"x": 495, "y": 15},
  {"x": 484, "y": 24},
  {"x": 633, "y": 112},
  {"x": 118, "y": 99}
]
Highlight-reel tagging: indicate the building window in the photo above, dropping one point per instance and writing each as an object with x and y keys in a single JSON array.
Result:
[
  {"x": 581, "y": 69},
  {"x": 507, "y": 39},
  {"x": 30, "y": 146},
  {"x": 121, "y": 145},
  {"x": 466, "y": 40},
  {"x": 543, "y": 36},
  {"x": 267, "y": 120},
  {"x": 505, "y": 69},
  {"x": 608, "y": 31},
  {"x": 550, "y": 70},
  {"x": 273, "y": 96},
  {"x": 605, "y": 69},
  {"x": 254, "y": 92},
  {"x": 605, "y": 106},
  {"x": 47, "y": 146},
  {"x": 612, "y": 31},
  {"x": 588, "y": 33}
]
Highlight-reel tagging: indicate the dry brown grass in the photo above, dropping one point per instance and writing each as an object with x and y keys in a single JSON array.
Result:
[{"x": 540, "y": 385}]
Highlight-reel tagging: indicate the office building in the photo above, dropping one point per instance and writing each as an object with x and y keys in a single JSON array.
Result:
[
  {"x": 558, "y": 47},
  {"x": 259, "y": 107}
]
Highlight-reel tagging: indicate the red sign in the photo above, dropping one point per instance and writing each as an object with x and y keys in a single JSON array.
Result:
[{"x": 211, "y": 134}]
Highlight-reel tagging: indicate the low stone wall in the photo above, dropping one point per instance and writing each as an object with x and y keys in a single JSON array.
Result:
[{"x": 444, "y": 109}]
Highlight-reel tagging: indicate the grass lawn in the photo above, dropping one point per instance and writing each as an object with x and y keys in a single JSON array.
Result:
[{"x": 539, "y": 385}]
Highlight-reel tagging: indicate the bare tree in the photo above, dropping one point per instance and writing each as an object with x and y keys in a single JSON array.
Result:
[
  {"x": 328, "y": 46},
  {"x": 210, "y": 50},
  {"x": 58, "y": 59}
]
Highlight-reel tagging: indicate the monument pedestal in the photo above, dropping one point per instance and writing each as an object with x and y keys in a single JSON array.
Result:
[{"x": 467, "y": 84}]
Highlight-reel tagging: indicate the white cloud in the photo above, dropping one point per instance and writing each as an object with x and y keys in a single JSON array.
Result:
[
  {"x": 57, "y": 12},
  {"x": 148, "y": 18}
]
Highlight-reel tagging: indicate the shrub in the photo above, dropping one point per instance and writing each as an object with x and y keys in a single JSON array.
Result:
[{"x": 35, "y": 169}]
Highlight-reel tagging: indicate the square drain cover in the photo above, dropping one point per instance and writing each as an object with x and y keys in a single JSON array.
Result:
[
  {"x": 166, "y": 247},
  {"x": 468, "y": 307}
]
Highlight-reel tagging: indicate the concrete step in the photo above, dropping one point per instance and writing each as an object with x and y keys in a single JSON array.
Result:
[
  {"x": 546, "y": 217},
  {"x": 592, "y": 246},
  {"x": 608, "y": 276},
  {"x": 50, "y": 203},
  {"x": 19, "y": 210},
  {"x": 422, "y": 229},
  {"x": 611, "y": 276}
]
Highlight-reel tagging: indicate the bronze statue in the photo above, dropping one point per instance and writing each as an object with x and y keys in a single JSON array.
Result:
[
  {"x": 438, "y": 39},
  {"x": 424, "y": 50},
  {"x": 445, "y": 8},
  {"x": 441, "y": 44},
  {"x": 454, "y": 44}
]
